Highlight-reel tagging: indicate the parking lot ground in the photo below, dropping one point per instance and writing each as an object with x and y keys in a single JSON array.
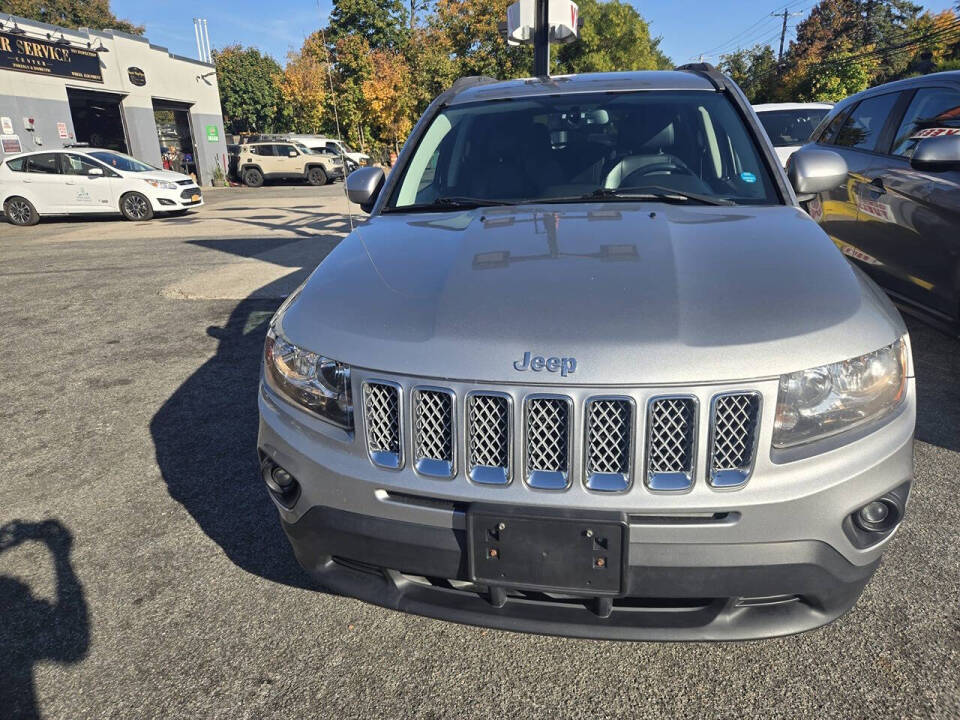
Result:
[{"x": 143, "y": 573}]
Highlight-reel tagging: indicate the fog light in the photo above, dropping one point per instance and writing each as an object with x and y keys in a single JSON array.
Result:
[
  {"x": 878, "y": 516},
  {"x": 281, "y": 483}
]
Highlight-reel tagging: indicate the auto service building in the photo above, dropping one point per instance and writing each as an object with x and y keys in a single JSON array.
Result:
[{"x": 108, "y": 89}]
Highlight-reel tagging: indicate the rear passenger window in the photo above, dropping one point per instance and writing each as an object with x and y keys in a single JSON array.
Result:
[
  {"x": 862, "y": 129},
  {"x": 932, "y": 112},
  {"x": 47, "y": 163},
  {"x": 17, "y": 164}
]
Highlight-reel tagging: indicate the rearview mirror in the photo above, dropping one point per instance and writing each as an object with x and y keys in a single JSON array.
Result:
[
  {"x": 813, "y": 170},
  {"x": 95, "y": 172},
  {"x": 364, "y": 185},
  {"x": 937, "y": 153}
]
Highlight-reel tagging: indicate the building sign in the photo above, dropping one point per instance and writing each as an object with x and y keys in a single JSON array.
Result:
[
  {"x": 18, "y": 52},
  {"x": 137, "y": 76},
  {"x": 6, "y": 126},
  {"x": 62, "y": 131},
  {"x": 10, "y": 144},
  {"x": 213, "y": 133}
]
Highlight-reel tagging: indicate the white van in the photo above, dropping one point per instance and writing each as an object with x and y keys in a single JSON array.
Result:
[{"x": 318, "y": 141}]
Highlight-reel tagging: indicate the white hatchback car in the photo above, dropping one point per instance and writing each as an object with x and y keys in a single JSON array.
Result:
[
  {"x": 789, "y": 125},
  {"x": 90, "y": 180}
]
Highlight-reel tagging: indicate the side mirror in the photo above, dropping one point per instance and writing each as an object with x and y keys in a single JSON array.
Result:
[
  {"x": 292, "y": 153},
  {"x": 95, "y": 172},
  {"x": 364, "y": 185},
  {"x": 814, "y": 170},
  {"x": 937, "y": 153}
]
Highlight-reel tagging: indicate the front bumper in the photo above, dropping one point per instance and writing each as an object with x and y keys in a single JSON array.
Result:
[
  {"x": 769, "y": 559},
  {"x": 182, "y": 197}
]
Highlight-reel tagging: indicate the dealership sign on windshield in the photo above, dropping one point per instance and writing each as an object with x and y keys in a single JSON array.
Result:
[{"x": 45, "y": 58}]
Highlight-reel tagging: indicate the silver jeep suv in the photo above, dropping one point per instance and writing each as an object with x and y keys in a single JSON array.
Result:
[{"x": 590, "y": 370}]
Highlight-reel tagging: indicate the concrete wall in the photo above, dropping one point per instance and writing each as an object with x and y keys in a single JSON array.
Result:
[{"x": 169, "y": 77}]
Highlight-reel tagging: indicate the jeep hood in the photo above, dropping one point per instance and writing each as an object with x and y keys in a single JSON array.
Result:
[{"x": 638, "y": 293}]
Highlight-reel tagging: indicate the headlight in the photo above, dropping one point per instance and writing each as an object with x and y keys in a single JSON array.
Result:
[
  {"x": 161, "y": 184},
  {"x": 817, "y": 403},
  {"x": 315, "y": 382}
]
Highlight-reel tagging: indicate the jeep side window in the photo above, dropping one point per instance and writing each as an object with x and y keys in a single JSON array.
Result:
[
  {"x": 932, "y": 112},
  {"x": 862, "y": 129}
]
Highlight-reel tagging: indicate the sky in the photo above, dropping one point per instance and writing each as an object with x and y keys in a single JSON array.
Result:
[{"x": 689, "y": 28}]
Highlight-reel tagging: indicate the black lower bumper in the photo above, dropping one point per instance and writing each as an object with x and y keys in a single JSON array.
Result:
[{"x": 669, "y": 592}]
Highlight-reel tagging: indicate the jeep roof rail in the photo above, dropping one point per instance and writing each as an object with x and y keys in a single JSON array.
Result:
[
  {"x": 461, "y": 84},
  {"x": 717, "y": 78}
]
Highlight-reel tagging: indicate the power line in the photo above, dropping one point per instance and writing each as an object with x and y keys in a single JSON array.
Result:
[
  {"x": 783, "y": 33},
  {"x": 755, "y": 30}
]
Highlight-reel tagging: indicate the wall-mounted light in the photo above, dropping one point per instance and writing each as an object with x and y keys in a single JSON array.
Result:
[
  {"x": 101, "y": 48},
  {"x": 16, "y": 30},
  {"x": 61, "y": 41}
]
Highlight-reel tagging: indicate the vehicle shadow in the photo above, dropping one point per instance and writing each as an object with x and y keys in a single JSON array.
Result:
[
  {"x": 205, "y": 437},
  {"x": 32, "y": 629},
  {"x": 936, "y": 360}
]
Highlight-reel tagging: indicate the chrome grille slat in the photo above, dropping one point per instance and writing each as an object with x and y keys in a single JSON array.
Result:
[
  {"x": 381, "y": 409},
  {"x": 488, "y": 439},
  {"x": 671, "y": 443},
  {"x": 433, "y": 432},
  {"x": 733, "y": 437},
  {"x": 609, "y": 429},
  {"x": 547, "y": 442}
]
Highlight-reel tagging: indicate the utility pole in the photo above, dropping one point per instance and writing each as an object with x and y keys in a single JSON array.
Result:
[
  {"x": 541, "y": 39},
  {"x": 783, "y": 32}
]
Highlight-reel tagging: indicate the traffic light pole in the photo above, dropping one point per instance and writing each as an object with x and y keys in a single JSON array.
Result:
[{"x": 541, "y": 39}]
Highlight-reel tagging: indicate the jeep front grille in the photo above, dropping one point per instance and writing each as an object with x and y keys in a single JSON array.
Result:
[
  {"x": 609, "y": 430},
  {"x": 547, "y": 442},
  {"x": 671, "y": 443},
  {"x": 381, "y": 408},
  {"x": 542, "y": 439},
  {"x": 488, "y": 439},
  {"x": 433, "y": 432},
  {"x": 733, "y": 438}
]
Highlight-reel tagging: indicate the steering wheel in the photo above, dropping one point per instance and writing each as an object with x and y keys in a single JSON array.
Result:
[{"x": 662, "y": 167}]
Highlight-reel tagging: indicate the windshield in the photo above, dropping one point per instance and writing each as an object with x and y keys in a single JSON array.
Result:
[
  {"x": 121, "y": 162},
  {"x": 304, "y": 149},
  {"x": 791, "y": 127},
  {"x": 688, "y": 146}
]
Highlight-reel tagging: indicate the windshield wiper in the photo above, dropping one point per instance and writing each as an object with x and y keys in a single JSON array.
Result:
[
  {"x": 655, "y": 192},
  {"x": 451, "y": 203}
]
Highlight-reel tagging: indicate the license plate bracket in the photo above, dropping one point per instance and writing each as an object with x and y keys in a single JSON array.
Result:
[{"x": 579, "y": 555}]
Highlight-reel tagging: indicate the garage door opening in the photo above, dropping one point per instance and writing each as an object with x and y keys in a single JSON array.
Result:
[
  {"x": 175, "y": 136},
  {"x": 97, "y": 120}
]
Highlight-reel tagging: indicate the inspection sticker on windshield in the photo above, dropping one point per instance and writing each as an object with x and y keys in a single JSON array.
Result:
[{"x": 748, "y": 177}]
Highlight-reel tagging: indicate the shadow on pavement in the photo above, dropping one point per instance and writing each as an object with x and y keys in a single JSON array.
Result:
[
  {"x": 205, "y": 437},
  {"x": 33, "y": 629},
  {"x": 936, "y": 359}
]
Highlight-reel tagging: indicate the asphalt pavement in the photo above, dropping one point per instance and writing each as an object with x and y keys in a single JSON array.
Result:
[{"x": 143, "y": 572}]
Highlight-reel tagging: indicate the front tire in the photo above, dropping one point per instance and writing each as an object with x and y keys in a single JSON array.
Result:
[
  {"x": 252, "y": 177},
  {"x": 135, "y": 206},
  {"x": 20, "y": 211},
  {"x": 316, "y": 176}
]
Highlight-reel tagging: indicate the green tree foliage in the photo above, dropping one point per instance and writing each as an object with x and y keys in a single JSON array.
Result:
[
  {"x": 474, "y": 40},
  {"x": 93, "y": 14},
  {"x": 754, "y": 70},
  {"x": 840, "y": 75},
  {"x": 614, "y": 37},
  {"x": 382, "y": 23},
  {"x": 249, "y": 94}
]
